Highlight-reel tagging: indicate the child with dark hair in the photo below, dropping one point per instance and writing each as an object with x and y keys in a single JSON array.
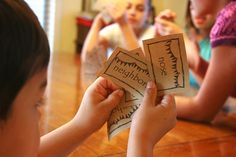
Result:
[{"x": 24, "y": 58}]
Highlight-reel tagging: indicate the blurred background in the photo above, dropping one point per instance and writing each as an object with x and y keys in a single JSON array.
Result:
[{"x": 67, "y": 22}]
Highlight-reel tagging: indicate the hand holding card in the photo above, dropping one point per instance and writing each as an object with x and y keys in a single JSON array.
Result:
[
  {"x": 165, "y": 62},
  {"x": 111, "y": 10}
]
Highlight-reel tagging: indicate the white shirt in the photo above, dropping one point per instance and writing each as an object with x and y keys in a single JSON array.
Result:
[{"x": 113, "y": 35}]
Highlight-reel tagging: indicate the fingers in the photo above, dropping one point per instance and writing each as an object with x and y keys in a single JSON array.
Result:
[
  {"x": 164, "y": 27},
  {"x": 162, "y": 22},
  {"x": 150, "y": 94},
  {"x": 116, "y": 10},
  {"x": 114, "y": 98},
  {"x": 168, "y": 101},
  {"x": 106, "y": 84},
  {"x": 167, "y": 15},
  {"x": 102, "y": 86},
  {"x": 168, "y": 107}
]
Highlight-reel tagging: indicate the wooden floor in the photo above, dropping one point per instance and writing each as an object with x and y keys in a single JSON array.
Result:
[{"x": 67, "y": 82}]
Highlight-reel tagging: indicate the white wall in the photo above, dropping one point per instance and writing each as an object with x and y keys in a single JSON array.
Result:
[{"x": 65, "y": 25}]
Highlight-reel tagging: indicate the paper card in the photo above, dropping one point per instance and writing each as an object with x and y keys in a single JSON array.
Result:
[
  {"x": 100, "y": 4},
  {"x": 137, "y": 52},
  {"x": 168, "y": 63},
  {"x": 106, "y": 17},
  {"x": 128, "y": 71},
  {"x": 121, "y": 116}
]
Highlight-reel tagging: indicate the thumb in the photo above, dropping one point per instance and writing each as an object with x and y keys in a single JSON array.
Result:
[
  {"x": 113, "y": 99},
  {"x": 150, "y": 94}
]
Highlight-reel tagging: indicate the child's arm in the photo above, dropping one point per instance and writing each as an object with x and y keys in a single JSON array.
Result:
[
  {"x": 118, "y": 14},
  {"x": 99, "y": 100},
  {"x": 150, "y": 123},
  {"x": 93, "y": 41},
  {"x": 165, "y": 25},
  {"x": 218, "y": 84},
  {"x": 129, "y": 36}
]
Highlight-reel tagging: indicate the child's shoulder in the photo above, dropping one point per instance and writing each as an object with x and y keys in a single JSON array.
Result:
[
  {"x": 229, "y": 10},
  {"x": 224, "y": 30}
]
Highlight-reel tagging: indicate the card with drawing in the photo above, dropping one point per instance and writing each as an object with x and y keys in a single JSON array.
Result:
[
  {"x": 138, "y": 52},
  {"x": 167, "y": 63},
  {"x": 127, "y": 70},
  {"x": 121, "y": 116}
]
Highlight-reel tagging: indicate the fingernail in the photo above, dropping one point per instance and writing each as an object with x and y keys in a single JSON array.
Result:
[
  {"x": 120, "y": 92},
  {"x": 151, "y": 84}
]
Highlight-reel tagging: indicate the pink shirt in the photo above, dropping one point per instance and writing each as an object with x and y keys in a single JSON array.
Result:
[{"x": 224, "y": 29}]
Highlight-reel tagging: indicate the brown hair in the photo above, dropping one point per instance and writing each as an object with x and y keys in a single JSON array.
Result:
[{"x": 24, "y": 50}]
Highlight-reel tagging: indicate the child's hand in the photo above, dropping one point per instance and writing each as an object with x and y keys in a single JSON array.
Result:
[
  {"x": 165, "y": 27},
  {"x": 117, "y": 11},
  {"x": 152, "y": 120},
  {"x": 164, "y": 23},
  {"x": 168, "y": 15},
  {"x": 98, "y": 101}
]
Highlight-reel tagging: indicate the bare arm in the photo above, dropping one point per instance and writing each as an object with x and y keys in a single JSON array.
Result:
[
  {"x": 218, "y": 84},
  {"x": 150, "y": 122},
  {"x": 99, "y": 100},
  {"x": 196, "y": 63},
  {"x": 165, "y": 25},
  {"x": 128, "y": 33},
  {"x": 62, "y": 141},
  {"x": 93, "y": 40},
  {"x": 118, "y": 14}
]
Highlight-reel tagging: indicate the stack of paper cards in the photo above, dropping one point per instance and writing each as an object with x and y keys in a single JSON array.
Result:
[{"x": 164, "y": 61}]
